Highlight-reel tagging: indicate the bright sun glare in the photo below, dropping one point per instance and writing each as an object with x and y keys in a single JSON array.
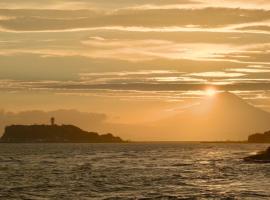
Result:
[{"x": 210, "y": 92}]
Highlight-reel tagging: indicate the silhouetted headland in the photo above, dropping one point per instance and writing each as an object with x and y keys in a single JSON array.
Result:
[
  {"x": 54, "y": 133},
  {"x": 260, "y": 137},
  {"x": 261, "y": 157}
]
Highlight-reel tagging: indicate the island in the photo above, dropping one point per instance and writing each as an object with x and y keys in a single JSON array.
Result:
[
  {"x": 260, "y": 137},
  {"x": 54, "y": 134}
]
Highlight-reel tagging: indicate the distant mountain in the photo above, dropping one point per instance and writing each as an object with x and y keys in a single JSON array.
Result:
[
  {"x": 54, "y": 133},
  {"x": 224, "y": 116}
]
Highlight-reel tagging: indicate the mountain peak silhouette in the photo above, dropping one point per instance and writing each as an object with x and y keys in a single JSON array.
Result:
[
  {"x": 225, "y": 99},
  {"x": 224, "y": 116},
  {"x": 227, "y": 95}
]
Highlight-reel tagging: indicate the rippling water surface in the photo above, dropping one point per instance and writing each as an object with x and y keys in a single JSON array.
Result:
[{"x": 132, "y": 171}]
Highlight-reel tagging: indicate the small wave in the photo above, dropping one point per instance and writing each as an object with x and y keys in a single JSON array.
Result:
[{"x": 181, "y": 164}]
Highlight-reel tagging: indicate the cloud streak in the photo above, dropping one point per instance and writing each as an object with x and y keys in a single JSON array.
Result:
[
  {"x": 163, "y": 50},
  {"x": 81, "y": 20}
]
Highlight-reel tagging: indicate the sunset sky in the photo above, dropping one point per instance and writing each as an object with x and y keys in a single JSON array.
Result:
[{"x": 131, "y": 60}]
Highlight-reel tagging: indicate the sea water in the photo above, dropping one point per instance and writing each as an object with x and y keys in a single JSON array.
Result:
[{"x": 132, "y": 171}]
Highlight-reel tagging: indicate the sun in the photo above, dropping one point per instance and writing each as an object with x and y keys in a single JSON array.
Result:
[{"x": 210, "y": 92}]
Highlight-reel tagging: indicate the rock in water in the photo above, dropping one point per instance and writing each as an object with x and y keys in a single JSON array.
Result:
[{"x": 262, "y": 157}]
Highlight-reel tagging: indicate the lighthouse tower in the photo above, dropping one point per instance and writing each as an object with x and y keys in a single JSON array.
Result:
[{"x": 52, "y": 121}]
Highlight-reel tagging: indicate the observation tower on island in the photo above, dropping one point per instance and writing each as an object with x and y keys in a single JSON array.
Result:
[{"x": 52, "y": 121}]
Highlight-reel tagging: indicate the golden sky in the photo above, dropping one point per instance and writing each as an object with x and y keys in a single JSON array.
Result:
[{"x": 132, "y": 60}]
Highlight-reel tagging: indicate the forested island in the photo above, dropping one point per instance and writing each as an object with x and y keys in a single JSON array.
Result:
[
  {"x": 54, "y": 134},
  {"x": 260, "y": 137}
]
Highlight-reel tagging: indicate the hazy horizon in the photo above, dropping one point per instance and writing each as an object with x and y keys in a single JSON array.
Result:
[{"x": 138, "y": 68}]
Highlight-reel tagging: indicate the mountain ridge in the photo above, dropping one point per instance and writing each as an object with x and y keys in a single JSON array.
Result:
[
  {"x": 222, "y": 117},
  {"x": 223, "y": 114}
]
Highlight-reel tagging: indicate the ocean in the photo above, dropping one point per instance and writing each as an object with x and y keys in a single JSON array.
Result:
[{"x": 132, "y": 171}]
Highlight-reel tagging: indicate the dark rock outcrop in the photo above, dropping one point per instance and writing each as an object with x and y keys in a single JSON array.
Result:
[
  {"x": 260, "y": 137},
  {"x": 261, "y": 157},
  {"x": 54, "y": 133}
]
